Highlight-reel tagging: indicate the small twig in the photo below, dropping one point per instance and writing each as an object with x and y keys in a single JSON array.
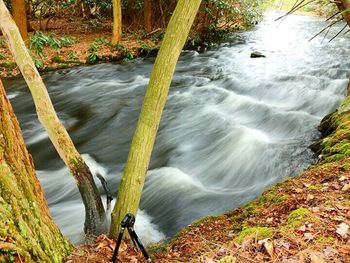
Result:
[
  {"x": 107, "y": 191},
  {"x": 154, "y": 31}
]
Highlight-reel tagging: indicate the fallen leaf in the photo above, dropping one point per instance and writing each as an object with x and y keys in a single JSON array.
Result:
[
  {"x": 329, "y": 252},
  {"x": 342, "y": 178},
  {"x": 310, "y": 197},
  {"x": 316, "y": 259},
  {"x": 346, "y": 187},
  {"x": 268, "y": 245},
  {"x": 298, "y": 190},
  {"x": 343, "y": 230},
  {"x": 308, "y": 236}
]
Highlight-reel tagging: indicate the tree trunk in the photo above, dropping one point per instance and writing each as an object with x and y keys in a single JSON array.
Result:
[
  {"x": 344, "y": 7},
  {"x": 27, "y": 230},
  {"x": 147, "y": 12},
  {"x": 131, "y": 185},
  {"x": 95, "y": 219},
  {"x": 117, "y": 22},
  {"x": 20, "y": 16}
]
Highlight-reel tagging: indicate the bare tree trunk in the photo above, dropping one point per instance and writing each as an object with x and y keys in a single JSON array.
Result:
[
  {"x": 117, "y": 22},
  {"x": 147, "y": 12},
  {"x": 19, "y": 13},
  {"x": 95, "y": 219},
  {"x": 132, "y": 182},
  {"x": 27, "y": 230}
]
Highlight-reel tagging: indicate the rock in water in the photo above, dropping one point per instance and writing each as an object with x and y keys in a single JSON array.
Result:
[{"x": 257, "y": 54}]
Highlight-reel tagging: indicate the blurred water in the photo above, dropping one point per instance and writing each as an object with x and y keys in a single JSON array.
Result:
[{"x": 232, "y": 125}]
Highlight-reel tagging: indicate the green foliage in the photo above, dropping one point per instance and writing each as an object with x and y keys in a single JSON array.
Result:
[
  {"x": 93, "y": 56},
  {"x": 218, "y": 17},
  {"x": 3, "y": 56},
  {"x": 93, "y": 53},
  {"x": 39, "y": 40},
  {"x": 2, "y": 43},
  {"x": 38, "y": 63},
  {"x": 72, "y": 55}
]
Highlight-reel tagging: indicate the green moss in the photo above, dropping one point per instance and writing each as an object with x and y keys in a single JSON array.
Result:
[
  {"x": 345, "y": 106},
  {"x": 328, "y": 202},
  {"x": 273, "y": 198},
  {"x": 298, "y": 214},
  {"x": 315, "y": 187},
  {"x": 254, "y": 232},
  {"x": 228, "y": 259},
  {"x": 297, "y": 218},
  {"x": 8, "y": 65},
  {"x": 206, "y": 220},
  {"x": 325, "y": 240}
]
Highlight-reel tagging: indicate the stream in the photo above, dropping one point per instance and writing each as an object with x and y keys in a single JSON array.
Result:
[{"x": 232, "y": 125}]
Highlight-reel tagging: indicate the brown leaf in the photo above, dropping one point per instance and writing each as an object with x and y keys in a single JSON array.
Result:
[{"x": 308, "y": 236}]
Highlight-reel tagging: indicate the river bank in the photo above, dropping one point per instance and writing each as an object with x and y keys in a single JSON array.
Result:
[
  {"x": 303, "y": 219},
  {"x": 69, "y": 44}
]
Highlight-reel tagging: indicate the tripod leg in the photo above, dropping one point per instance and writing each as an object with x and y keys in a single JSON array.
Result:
[
  {"x": 115, "y": 253},
  {"x": 136, "y": 239}
]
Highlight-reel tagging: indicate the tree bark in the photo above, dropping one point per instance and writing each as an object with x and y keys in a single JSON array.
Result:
[
  {"x": 344, "y": 7},
  {"x": 95, "y": 219},
  {"x": 19, "y": 13},
  {"x": 132, "y": 182},
  {"x": 27, "y": 230},
  {"x": 117, "y": 22},
  {"x": 147, "y": 12}
]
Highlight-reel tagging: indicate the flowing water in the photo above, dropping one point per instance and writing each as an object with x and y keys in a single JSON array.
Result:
[{"x": 232, "y": 125}]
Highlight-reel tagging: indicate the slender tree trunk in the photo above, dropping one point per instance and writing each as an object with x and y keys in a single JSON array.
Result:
[
  {"x": 19, "y": 13},
  {"x": 95, "y": 219},
  {"x": 344, "y": 7},
  {"x": 27, "y": 230},
  {"x": 147, "y": 12},
  {"x": 117, "y": 22},
  {"x": 131, "y": 185}
]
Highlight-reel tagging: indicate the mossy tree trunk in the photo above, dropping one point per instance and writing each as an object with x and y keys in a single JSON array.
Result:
[
  {"x": 27, "y": 230},
  {"x": 19, "y": 13},
  {"x": 95, "y": 218},
  {"x": 117, "y": 22},
  {"x": 132, "y": 182},
  {"x": 147, "y": 12}
]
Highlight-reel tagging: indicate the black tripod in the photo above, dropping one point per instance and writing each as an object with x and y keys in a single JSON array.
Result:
[{"x": 128, "y": 223}]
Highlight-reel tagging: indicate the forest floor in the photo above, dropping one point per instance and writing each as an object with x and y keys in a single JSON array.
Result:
[
  {"x": 304, "y": 219},
  {"x": 65, "y": 44}
]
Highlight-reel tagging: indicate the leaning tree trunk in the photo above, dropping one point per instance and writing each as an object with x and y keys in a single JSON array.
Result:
[
  {"x": 131, "y": 185},
  {"x": 19, "y": 13},
  {"x": 27, "y": 230},
  {"x": 95, "y": 219},
  {"x": 117, "y": 22}
]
